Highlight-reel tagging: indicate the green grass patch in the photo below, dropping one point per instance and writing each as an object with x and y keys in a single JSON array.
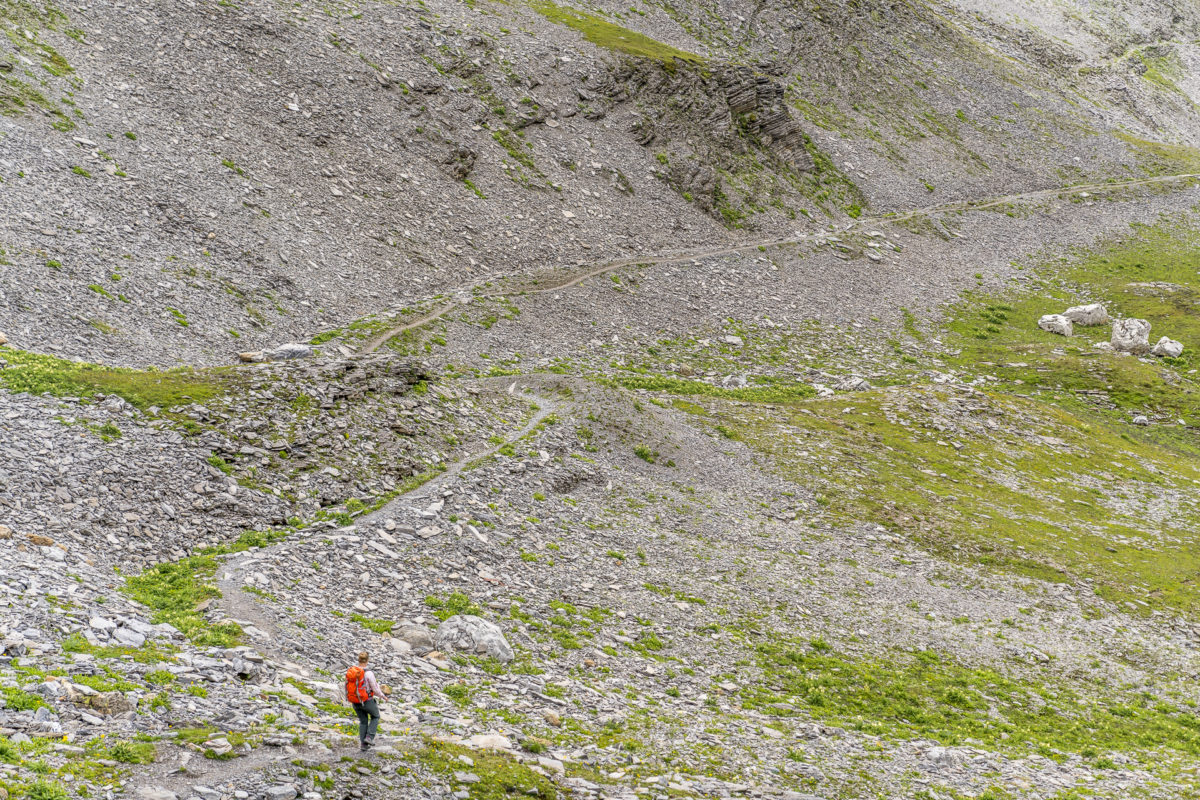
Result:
[
  {"x": 1158, "y": 158},
  {"x": 1042, "y": 474},
  {"x": 18, "y": 700},
  {"x": 603, "y": 33},
  {"x": 174, "y": 590},
  {"x": 500, "y": 777},
  {"x": 1151, "y": 275},
  {"x": 1045, "y": 493},
  {"x": 680, "y": 386},
  {"x": 43, "y": 374},
  {"x": 376, "y": 625},
  {"x": 149, "y": 653},
  {"x": 452, "y": 604},
  {"x": 927, "y": 696},
  {"x": 133, "y": 752},
  {"x": 41, "y": 790}
]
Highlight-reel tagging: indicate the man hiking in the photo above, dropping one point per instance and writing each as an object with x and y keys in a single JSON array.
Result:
[{"x": 364, "y": 694}]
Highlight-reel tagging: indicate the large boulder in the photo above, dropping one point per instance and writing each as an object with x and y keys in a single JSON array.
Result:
[
  {"x": 1055, "y": 323},
  {"x": 417, "y": 637},
  {"x": 1131, "y": 336},
  {"x": 1091, "y": 314},
  {"x": 285, "y": 352},
  {"x": 1167, "y": 347},
  {"x": 475, "y": 635}
]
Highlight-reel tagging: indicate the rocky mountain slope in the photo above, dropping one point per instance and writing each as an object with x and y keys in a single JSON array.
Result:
[{"x": 656, "y": 391}]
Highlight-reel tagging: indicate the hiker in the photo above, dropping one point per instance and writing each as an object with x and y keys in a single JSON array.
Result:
[{"x": 364, "y": 694}]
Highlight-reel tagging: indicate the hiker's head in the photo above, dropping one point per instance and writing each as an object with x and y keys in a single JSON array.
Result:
[{"x": 363, "y": 658}]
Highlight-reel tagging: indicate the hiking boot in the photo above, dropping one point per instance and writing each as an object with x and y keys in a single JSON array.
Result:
[{"x": 364, "y": 746}]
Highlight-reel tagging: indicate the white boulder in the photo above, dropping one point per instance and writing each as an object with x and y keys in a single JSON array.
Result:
[
  {"x": 475, "y": 635},
  {"x": 853, "y": 383},
  {"x": 1167, "y": 347},
  {"x": 1055, "y": 323},
  {"x": 490, "y": 741},
  {"x": 1091, "y": 314},
  {"x": 284, "y": 352},
  {"x": 1131, "y": 336}
]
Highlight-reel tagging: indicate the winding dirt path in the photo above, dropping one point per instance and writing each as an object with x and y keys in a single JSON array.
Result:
[
  {"x": 565, "y": 279},
  {"x": 242, "y": 606}
]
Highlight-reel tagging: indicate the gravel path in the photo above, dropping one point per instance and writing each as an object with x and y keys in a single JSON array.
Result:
[{"x": 565, "y": 280}]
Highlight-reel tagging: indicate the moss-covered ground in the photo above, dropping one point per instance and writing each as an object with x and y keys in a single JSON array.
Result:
[
  {"x": 926, "y": 695},
  {"x": 174, "y": 591},
  {"x": 38, "y": 373},
  {"x": 603, "y": 33}
]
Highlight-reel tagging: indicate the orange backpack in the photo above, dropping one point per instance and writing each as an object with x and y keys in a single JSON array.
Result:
[{"x": 356, "y": 687}]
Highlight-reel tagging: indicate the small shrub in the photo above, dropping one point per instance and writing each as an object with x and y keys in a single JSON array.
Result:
[
  {"x": 133, "y": 752},
  {"x": 452, "y": 605},
  {"x": 159, "y": 677},
  {"x": 645, "y": 453},
  {"x": 40, "y": 790}
]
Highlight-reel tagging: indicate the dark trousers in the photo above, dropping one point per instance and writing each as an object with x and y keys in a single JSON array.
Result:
[{"x": 368, "y": 719}]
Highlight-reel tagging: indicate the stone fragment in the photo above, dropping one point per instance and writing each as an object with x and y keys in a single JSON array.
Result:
[
  {"x": 1091, "y": 314},
  {"x": 284, "y": 791},
  {"x": 219, "y": 745},
  {"x": 853, "y": 383},
  {"x": 552, "y": 764},
  {"x": 474, "y": 635},
  {"x": 1131, "y": 336},
  {"x": 1168, "y": 348},
  {"x": 110, "y": 703},
  {"x": 129, "y": 637},
  {"x": 1055, "y": 323},
  {"x": 156, "y": 793}
]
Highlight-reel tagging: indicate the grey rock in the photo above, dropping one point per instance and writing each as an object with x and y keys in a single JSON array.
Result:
[
  {"x": 219, "y": 745},
  {"x": 284, "y": 791},
  {"x": 1056, "y": 323},
  {"x": 1168, "y": 348},
  {"x": 129, "y": 637},
  {"x": 475, "y": 635},
  {"x": 286, "y": 352},
  {"x": 418, "y": 637},
  {"x": 853, "y": 383},
  {"x": 1131, "y": 336},
  {"x": 1091, "y": 314},
  {"x": 155, "y": 793}
]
